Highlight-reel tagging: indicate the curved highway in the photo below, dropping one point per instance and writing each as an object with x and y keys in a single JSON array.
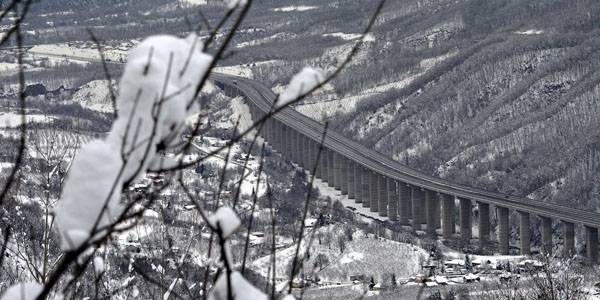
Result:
[{"x": 262, "y": 97}]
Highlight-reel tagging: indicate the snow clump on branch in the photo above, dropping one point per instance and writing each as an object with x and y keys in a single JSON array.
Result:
[
  {"x": 300, "y": 84},
  {"x": 156, "y": 95}
]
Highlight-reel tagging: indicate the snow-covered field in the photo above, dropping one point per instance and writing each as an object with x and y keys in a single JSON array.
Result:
[
  {"x": 62, "y": 50},
  {"x": 295, "y": 8},
  {"x": 11, "y": 119}
]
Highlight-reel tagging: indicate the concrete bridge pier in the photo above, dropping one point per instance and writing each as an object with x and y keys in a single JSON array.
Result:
[
  {"x": 591, "y": 239},
  {"x": 358, "y": 180},
  {"x": 344, "y": 175},
  {"x": 350, "y": 183},
  {"x": 271, "y": 137},
  {"x": 383, "y": 195},
  {"x": 330, "y": 168},
  {"x": 374, "y": 191},
  {"x": 524, "y": 233},
  {"x": 447, "y": 215},
  {"x": 503, "y": 242},
  {"x": 546, "y": 235},
  {"x": 438, "y": 210},
  {"x": 465, "y": 218},
  {"x": 280, "y": 137},
  {"x": 366, "y": 192},
  {"x": 392, "y": 193},
  {"x": 484, "y": 224},
  {"x": 294, "y": 149},
  {"x": 403, "y": 202},
  {"x": 308, "y": 148},
  {"x": 316, "y": 159},
  {"x": 568, "y": 239},
  {"x": 337, "y": 172},
  {"x": 430, "y": 215},
  {"x": 417, "y": 207},
  {"x": 324, "y": 165},
  {"x": 283, "y": 149}
]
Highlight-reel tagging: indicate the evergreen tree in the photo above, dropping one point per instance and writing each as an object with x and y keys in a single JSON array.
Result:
[{"x": 371, "y": 284}]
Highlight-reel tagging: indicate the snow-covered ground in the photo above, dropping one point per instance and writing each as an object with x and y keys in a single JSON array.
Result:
[
  {"x": 295, "y": 8},
  {"x": 95, "y": 96},
  {"x": 63, "y": 50},
  {"x": 11, "y": 119}
]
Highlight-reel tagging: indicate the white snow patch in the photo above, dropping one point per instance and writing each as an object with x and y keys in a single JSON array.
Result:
[
  {"x": 350, "y": 257},
  {"x": 91, "y": 193},
  {"x": 295, "y": 8},
  {"x": 193, "y": 2},
  {"x": 94, "y": 95},
  {"x": 301, "y": 83},
  {"x": 11, "y": 119},
  {"x": 240, "y": 289},
  {"x": 225, "y": 219},
  {"x": 235, "y": 3},
  {"x": 98, "y": 265},
  {"x": 22, "y": 291},
  {"x": 530, "y": 32}
]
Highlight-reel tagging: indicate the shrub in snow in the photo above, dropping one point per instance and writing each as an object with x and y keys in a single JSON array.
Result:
[{"x": 156, "y": 95}]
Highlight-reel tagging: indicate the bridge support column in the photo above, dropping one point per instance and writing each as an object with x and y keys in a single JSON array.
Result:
[
  {"x": 383, "y": 196},
  {"x": 358, "y": 179},
  {"x": 337, "y": 171},
  {"x": 302, "y": 150},
  {"x": 312, "y": 158},
  {"x": 308, "y": 165},
  {"x": 330, "y": 168},
  {"x": 524, "y": 233},
  {"x": 291, "y": 143},
  {"x": 374, "y": 188},
  {"x": 344, "y": 175},
  {"x": 430, "y": 216},
  {"x": 438, "y": 210},
  {"x": 280, "y": 137},
  {"x": 484, "y": 224},
  {"x": 324, "y": 165},
  {"x": 350, "y": 187},
  {"x": 284, "y": 142},
  {"x": 317, "y": 161},
  {"x": 465, "y": 218},
  {"x": 591, "y": 238},
  {"x": 274, "y": 133},
  {"x": 366, "y": 192},
  {"x": 295, "y": 151},
  {"x": 502, "y": 230},
  {"x": 546, "y": 235},
  {"x": 447, "y": 215},
  {"x": 417, "y": 207},
  {"x": 392, "y": 200},
  {"x": 568, "y": 239},
  {"x": 403, "y": 201}
]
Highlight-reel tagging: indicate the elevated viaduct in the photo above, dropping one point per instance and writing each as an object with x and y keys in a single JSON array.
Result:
[{"x": 405, "y": 195}]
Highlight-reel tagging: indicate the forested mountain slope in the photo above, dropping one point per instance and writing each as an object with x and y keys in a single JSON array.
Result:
[{"x": 511, "y": 105}]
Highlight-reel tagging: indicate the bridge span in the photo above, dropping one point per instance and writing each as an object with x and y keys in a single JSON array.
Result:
[{"x": 402, "y": 194}]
